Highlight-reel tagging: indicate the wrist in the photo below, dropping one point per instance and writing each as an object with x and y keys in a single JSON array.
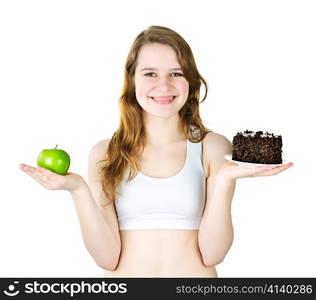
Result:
[
  {"x": 80, "y": 187},
  {"x": 224, "y": 180}
]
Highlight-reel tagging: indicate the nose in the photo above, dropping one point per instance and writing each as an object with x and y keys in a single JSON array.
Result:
[{"x": 163, "y": 83}]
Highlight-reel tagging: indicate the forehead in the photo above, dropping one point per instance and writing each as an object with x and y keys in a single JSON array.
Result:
[{"x": 157, "y": 56}]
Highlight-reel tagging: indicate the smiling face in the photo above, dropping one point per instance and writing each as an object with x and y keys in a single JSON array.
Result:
[{"x": 160, "y": 87}]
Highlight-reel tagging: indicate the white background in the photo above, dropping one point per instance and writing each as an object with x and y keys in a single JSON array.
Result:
[{"x": 61, "y": 73}]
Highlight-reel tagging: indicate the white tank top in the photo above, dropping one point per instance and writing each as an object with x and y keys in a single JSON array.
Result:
[{"x": 175, "y": 202}]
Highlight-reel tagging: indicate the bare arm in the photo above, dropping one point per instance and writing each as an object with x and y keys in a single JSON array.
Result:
[
  {"x": 98, "y": 225},
  {"x": 216, "y": 229},
  {"x": 96, "y": 232}
]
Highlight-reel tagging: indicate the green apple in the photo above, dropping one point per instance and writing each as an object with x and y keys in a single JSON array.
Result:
[{"x": 56, "y": 160}]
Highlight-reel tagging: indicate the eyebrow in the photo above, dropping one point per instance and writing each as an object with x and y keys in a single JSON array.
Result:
[{"x": 152, "y": 69}]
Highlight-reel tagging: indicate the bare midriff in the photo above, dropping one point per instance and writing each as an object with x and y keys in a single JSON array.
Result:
[{"x": 160, "y": 253}]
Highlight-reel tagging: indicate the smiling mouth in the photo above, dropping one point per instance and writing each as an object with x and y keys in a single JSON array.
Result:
[{"x": 162, "y": 101}]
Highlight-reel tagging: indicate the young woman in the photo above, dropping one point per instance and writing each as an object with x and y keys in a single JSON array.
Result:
[{"x": 159, "y": 192}]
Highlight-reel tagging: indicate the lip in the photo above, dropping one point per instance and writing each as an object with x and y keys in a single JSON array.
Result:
[
  {"x": 162, "y": 97},
  {"x": 159, "y": 100}
]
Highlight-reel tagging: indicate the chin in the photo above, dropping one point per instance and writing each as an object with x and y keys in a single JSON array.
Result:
[
  {"x": 162, "y": 115},
  {"x": 163, "y": 112}
]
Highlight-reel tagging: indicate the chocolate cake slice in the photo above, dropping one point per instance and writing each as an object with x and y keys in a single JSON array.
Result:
[{"x": 257, "y": 147}]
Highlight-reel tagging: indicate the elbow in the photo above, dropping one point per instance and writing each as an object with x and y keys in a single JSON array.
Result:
[
  {"x": 212, "y": 261},
  {"x": 213, "y": 257},
  {"x": 107, "y": 266},
  {"x": 214, "y": 253},
  {"x": 108, "y": 262}
]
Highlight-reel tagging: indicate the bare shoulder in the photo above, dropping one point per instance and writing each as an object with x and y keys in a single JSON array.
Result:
[
  {"x": 96, "y": 154},
  {"x": 216, "y": 142},
  {"x": 98, "y": 150},
  {"x": 215, "y": 146}
]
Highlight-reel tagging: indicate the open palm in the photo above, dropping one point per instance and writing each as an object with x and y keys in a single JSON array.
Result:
[
  {"x": 233, "y": 171},
  {"x": 51, "y": 180}
]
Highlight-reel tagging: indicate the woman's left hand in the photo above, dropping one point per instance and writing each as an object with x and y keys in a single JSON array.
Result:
[{"x": 232, "y": 171}]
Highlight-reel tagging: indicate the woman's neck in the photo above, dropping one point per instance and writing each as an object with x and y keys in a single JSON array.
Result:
[{"x": 161, "y": 131}]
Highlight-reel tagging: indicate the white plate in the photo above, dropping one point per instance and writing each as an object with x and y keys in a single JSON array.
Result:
[{"x": 252, "y": 165}]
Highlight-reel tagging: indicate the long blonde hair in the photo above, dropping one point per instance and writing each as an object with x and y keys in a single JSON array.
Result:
[{"x": 129, "y": 139}]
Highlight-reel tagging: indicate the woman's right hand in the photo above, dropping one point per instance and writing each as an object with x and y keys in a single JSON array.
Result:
[{"x": 53, "y": 181}]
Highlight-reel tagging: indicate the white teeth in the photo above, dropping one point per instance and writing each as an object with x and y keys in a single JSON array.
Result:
[{"x": 163, "y": 99}]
